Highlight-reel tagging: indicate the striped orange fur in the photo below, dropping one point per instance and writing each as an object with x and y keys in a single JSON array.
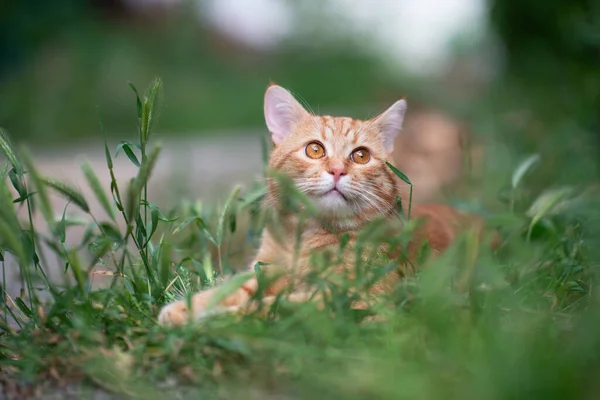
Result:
[{"x": 339, "y": 164}]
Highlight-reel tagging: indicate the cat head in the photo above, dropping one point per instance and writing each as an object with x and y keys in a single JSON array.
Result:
[{"x": 338, "y": 162}]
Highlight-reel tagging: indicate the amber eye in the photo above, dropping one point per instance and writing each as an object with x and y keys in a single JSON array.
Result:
[
  {"x": 360, "y": 156},
  {"x": 315, "y": 150}
]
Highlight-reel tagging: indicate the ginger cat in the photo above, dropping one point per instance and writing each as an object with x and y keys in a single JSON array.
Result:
[{"x": 339, "y": 163}]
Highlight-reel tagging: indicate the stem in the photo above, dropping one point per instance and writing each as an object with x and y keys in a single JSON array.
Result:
[
  {"x": 144, "y": 160},
  {"x": 220, "y": 260},
  {"x": 4, "y": 294},
  {"x": 410, "y": 201}
]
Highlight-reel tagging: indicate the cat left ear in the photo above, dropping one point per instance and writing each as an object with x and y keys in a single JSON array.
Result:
[
  {"x": 282, "y": 112},
  {"x": 390, "y": 123}
]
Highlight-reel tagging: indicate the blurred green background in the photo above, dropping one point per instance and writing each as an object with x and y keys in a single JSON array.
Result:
[{"x": 527, "y": 73}]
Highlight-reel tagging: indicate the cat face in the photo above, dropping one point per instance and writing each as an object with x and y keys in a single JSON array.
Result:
[{"x": 338, "y": 162}]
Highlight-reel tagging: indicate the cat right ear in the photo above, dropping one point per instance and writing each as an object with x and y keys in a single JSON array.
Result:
[
  {"x": 282, "y": 112},
  {"x": 390, "y": 123}
]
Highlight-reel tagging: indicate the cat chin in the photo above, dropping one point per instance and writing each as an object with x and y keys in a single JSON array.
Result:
[{"x": 333, "y": 203}]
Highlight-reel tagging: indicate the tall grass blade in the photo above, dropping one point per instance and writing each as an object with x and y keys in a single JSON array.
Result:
[
  {"x": 126, "y": 147},
  {"x": 96, "y": 186},
  {"x": 149, "y": 113},
  {"x": 229, "y": 286},
  {"x": 45, "y": 204},
  {"x": 522, "y": 169},
  {"x": 404, "y": 178},
  {"x": 138, "y": 101},
  {"x": 547, "y": 203},
  {"x": 68, "y": 192},
  {"x": 148, "y": 166},
  {"x": 132, "y": 201},
  {"x": 165, "y": 262},
  {"x": 8, "y": 149},
  {"x": 224, "y": 214},
  {"x": 78, "y": 273}
]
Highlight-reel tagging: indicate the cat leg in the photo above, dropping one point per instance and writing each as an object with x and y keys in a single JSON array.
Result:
[{"x": 178, "y": 313}]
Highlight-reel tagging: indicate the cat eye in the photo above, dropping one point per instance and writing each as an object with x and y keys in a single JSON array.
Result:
[
  {"x": 360, "y": 156},
  {"x": 315, "y": 150}
]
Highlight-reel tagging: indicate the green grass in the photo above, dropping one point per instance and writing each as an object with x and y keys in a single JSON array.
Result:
[{"x": 522, "y": 322}]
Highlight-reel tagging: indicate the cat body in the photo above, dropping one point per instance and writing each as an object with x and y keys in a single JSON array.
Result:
[{"x": 339, "y": 164}]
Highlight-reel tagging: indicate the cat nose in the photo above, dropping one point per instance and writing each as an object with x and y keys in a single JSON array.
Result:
[{"x": 337, "y": 170}]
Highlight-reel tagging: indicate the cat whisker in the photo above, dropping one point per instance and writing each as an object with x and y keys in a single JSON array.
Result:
[{"x": 373, "y": 200}]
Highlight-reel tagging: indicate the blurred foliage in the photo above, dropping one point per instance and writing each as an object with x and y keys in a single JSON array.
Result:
[
  {"x": 212, "y": 83},
  {"x": 553, "y": 50},
  {"x": 27, "y": 25},
  {"x": 551, "y": 82}
]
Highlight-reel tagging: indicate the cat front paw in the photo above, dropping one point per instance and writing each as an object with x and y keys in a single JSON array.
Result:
[
  {"x": 178, "y": 313},
  {"x": 174, "y": 314}
]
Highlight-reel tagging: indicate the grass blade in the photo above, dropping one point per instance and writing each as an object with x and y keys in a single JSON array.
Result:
[
  {"x": 224, "y": 214},
  {"x": 399, "y": 173},
  {"x": 148, "y": 117},
  {"x": 402, "y": 176},
  {"x": 68, "y": 192},
  {"x": 148, "y": 166},
  {"x": 8, "y": 149},
  {"x": 138, "y": 101},
  {"x": 126, "y": 147},
  {"x": 546, "y": 204},
  {"x": 96, "y": 186},
  {"x": 45, "y": 204},
  {"x": 522, "y": 169}
]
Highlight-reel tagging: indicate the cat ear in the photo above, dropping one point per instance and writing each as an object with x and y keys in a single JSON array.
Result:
[
  {"x": 390, "y": 123},
  {"x": 282, "y": 112}
]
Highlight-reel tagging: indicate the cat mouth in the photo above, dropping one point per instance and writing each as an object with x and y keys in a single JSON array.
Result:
[{"x": 335, "y": 192}]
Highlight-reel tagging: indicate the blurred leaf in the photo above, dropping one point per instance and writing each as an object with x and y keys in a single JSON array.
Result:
[
  {"x": 224, "y": 213},
  {"x": 61, "y": 227},
  {"x": 155, "y": 216},
  {"x": 109, "y": 161},
  {"x": 78, "y": 273},
  {"x": 45, "y": 204},
  {"x": 265, "y": 154},
  {"x": 148, "y": 166},
  {"x": 23, "y": 307},
  {"x": 21, "y": 199},
  {"x": 148, "y": 116},
  {"x": 547, "y": 203},
  {"x": 183, "y": 225},
  {"x": 68, "y": 192},
  {"x": 138, "y": 101},
  {"x": 132, "y": 204},
  {"x": 165, "y": 262},
  {"x": 111, "y": 232},
  {"x": 253, "y": 197},
  {"x": 96, "y": 186},
  {"x": 229, "y": 287},
  {"x": 126, "y": 147},
  {"x": 402, "y": 176},
  {"x": 17, "y": 183},
  {"x": 522, "y": 169},
  {"x": 8, "y": 149},
  {"x": 399, "y": 173},
  {"x": 113, "y": 191}
]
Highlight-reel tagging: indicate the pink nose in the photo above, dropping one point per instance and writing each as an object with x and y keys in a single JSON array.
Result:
[{"x": 337, "y": 171}]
